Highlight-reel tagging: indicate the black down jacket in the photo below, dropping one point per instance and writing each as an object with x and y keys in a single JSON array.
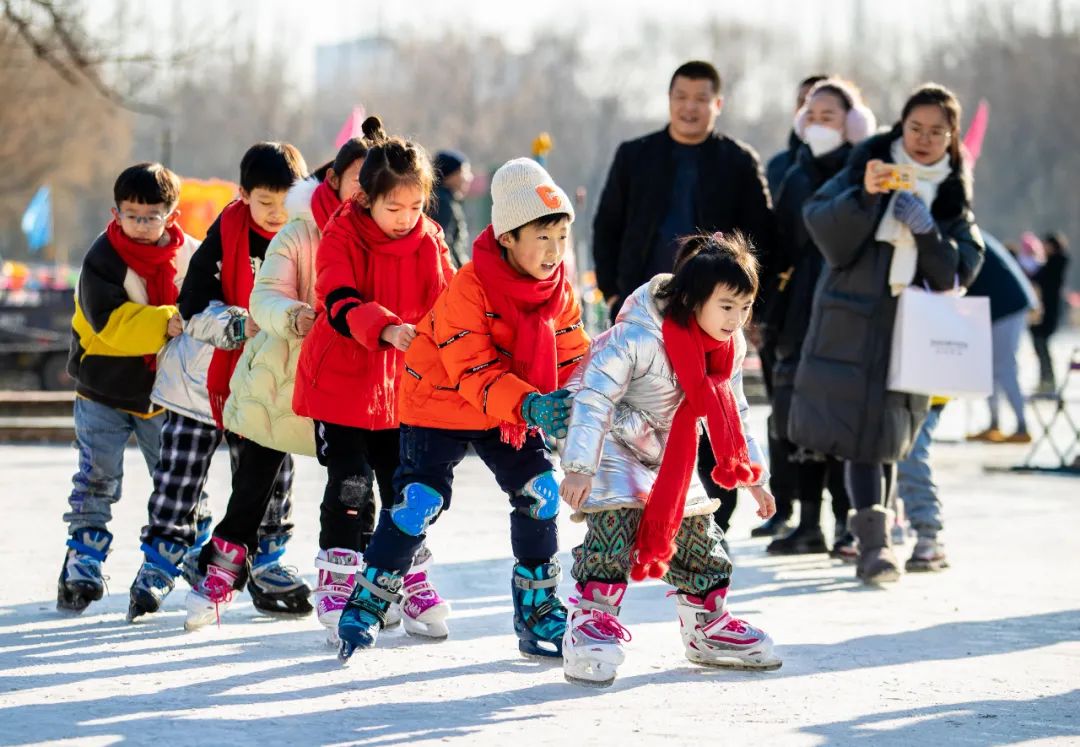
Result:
[
  {"x": 840, "y": 405},
  {"x": 802, "y": 263}
]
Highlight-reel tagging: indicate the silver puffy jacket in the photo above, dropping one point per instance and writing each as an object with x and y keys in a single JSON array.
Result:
[
  {"x": 180, "y": 384},
  {"x": 625, "y": 398}
]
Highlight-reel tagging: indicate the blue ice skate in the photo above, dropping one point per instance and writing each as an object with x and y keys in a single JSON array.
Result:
[
  {"x": 156, "y": 577},
  {"x": 80, "y": 580},
  {"x": 190, "y": 563},
  {"x": 539, "y": 614},
  {"x": 277, "y": 589},
  {"x": 365, "y": 613}
]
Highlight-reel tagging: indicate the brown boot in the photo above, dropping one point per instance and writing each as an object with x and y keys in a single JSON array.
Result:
[{"x": 876, "y": 564}]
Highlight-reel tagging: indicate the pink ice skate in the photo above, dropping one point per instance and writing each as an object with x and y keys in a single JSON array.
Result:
[
  {"x": 592, "y": 645},
  {"x": 423, "y": 611},
  {"x": 337, "y": 569},
  {"x": 215, "y": 590},
  {"x": 715, "y": 638}
]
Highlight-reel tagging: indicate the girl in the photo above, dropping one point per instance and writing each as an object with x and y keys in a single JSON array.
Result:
[
  {"x": 876, "y": 241},
  {"x": 260, "y": 404},
  {"x": 673, "y": 357},
  {"x": 380, "y": 267},
  {"x": 830, "y": 122}
]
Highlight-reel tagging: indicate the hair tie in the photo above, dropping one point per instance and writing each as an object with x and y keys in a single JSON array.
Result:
[{"x": 718, "y": 236}]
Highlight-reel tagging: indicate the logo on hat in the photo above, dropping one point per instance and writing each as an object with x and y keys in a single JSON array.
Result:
[{"x": 549, "y": 196}]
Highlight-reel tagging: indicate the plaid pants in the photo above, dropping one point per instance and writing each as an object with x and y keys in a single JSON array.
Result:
[
  {"x": 179, "y": 501},
  {"x": 698, "y": 566}
]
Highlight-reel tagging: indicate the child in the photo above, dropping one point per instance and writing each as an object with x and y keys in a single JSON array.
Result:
[
  {"x": 380, "y": 267},
  {"x": 179, "y": 524},
  {"x": 125, "y": 311},
  {"x": 482, "y": 371},
  {"x": 223, "y": 271},
  {"x": 674, "y": 357},
  {"x": 260, "y": 406}
]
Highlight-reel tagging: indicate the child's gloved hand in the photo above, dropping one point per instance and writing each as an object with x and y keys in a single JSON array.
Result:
[
  {"x": 765, "y": 502},
  {"x": 913, "y": 212},
  {"x": 548, "y": 412}
]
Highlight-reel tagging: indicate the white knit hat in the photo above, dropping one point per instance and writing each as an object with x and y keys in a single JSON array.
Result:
[{"x": 522, "y": 191}]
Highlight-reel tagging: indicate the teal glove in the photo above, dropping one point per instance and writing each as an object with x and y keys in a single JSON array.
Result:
[{"x": 548, "y": 412}]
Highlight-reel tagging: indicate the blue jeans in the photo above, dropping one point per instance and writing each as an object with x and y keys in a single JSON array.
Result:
[
  {"x": 916, "y": 480},
  {"x": 101, "y": 433}
]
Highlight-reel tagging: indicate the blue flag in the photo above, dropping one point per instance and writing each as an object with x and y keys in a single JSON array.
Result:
[{"x": 37, "y": 220}]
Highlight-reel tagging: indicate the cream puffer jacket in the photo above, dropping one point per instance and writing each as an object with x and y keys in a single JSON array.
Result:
[
  {"x": 261, "y": 389},
  {"x": 625, "y": 398}
]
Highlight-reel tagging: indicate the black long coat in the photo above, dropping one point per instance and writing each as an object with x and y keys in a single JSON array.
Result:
[{"x": 840, "y": 405}]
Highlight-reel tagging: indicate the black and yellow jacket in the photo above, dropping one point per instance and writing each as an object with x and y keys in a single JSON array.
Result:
[{"x": 113, "y": 330}]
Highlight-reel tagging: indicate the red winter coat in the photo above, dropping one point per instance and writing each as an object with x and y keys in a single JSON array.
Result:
[{"x": 346, "y": 374}]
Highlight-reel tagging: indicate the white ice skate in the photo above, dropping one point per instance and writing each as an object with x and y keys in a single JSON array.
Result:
[
  {"x": 714, "y": 638},
  {"x": 337, "y": 569},
  {"x": 422, "y": 611},
  {"x": 214, "y": 592},
  {"x": 592, "y": 645}
]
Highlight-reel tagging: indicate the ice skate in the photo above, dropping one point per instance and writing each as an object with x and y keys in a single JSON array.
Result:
[
  {"x": 277, "y": 590},
  {"x": 215, "y": 590},
  {"x": 714, "y": 638},
  {"x": 539, "y": 614},
  {"x": 337, "y": 569},
  {"x": 365, "y": 613},
  {"x": 423, "y": 612},
  {"x": 156, "y": 577},
  {"x": 190, "y": 563},
  {"x": 592, "y": 645},
  {"x": 80, "y": 581}
]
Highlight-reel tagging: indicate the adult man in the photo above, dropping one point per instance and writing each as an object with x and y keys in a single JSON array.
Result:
[{"x": 680, "y": 180}]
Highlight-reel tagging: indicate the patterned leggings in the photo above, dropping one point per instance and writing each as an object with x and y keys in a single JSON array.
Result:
[{"x": 698, "y": 566}]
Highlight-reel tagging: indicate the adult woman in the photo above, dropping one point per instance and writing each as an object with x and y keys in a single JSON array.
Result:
[
  {"x": 876, "y": 244},
  {"x": 831, "y": 121}
]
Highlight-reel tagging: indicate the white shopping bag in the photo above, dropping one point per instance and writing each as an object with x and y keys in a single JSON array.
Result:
[{"x": 941, "y": 345}]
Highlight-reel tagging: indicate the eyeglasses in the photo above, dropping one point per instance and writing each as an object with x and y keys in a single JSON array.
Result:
[
  {"x": 152, "y": 221},
  {"x": 934, "y": 133}
]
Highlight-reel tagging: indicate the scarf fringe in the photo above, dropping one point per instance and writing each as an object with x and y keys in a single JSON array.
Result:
[{"x": 513, "y": 434}]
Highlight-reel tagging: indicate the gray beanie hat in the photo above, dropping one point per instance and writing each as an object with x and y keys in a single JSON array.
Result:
[{"x": 522, "y": 191}]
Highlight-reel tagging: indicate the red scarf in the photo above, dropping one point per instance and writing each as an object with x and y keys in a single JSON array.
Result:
[
  {"x": 153, "y": 263},
  {"x": 529, "y": 306},
  {"x": 324, "y": 203},
  {"x": 708, "y": 395},
  {"x": 237, "y": 280}
]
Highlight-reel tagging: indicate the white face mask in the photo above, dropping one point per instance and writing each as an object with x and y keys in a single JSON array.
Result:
[{"x": 822, "y": 139}]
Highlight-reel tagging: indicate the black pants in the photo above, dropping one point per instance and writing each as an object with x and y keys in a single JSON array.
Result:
[
  {"x": 254, "y": 474},
  {"x": 706, "y": 463},
  {"x": 813, "y": 477},
  {"x": 1046, "y": 363},
  {"x": 428, "y": 459},
  {"x": 356, "y": 460},
  {"x": 870, "y": 483}
]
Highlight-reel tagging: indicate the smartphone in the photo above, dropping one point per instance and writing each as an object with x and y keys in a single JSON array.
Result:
[{"x": 901, "y": 177}]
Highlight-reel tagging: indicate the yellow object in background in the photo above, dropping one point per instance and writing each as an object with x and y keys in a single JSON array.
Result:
[{"x": 201, "y": 201}]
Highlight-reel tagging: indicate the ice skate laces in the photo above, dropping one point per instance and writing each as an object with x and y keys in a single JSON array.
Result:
[
  {"x": 605, "y": 624},
  {"x": 218, "y": 587}
]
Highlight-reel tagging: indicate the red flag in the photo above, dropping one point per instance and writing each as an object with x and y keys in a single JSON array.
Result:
[{"x": 351, "y": 128}]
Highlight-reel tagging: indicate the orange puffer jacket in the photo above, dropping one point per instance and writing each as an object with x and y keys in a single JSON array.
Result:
[{"x": 457, "y": 370}]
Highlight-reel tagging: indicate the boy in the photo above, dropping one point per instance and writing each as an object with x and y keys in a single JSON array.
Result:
[
  {"x": 125, "y": 311},
  {"x": 190, "y": 434},
  {"x": 483, "y": 370}
]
